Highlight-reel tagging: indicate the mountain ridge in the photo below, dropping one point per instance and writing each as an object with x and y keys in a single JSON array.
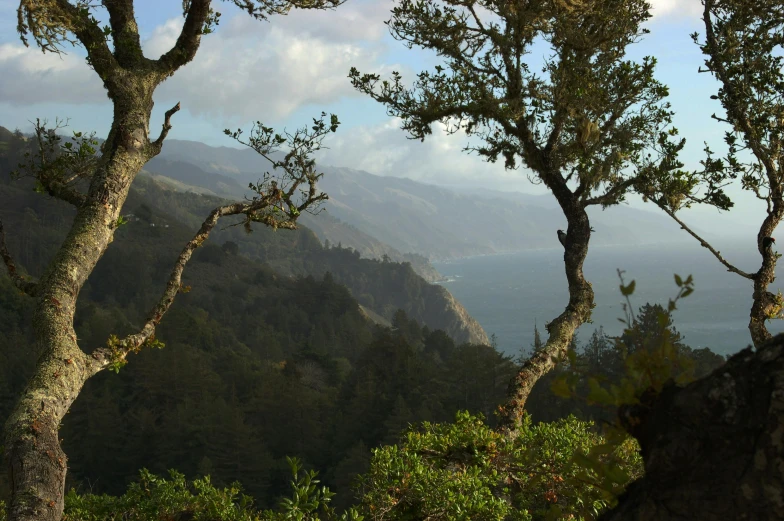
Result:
[{"x": 439, "y": 223}]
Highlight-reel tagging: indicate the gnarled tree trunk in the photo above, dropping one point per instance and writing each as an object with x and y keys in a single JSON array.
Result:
[
  {"x": 561, "y": 330},
  {"x": 36, "y": 461}
]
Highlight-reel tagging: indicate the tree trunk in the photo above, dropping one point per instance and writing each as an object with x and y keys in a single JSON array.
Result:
[
  {"x": 713, "y": 450},
  {"x": 765, "y": 304},
  {"x": 36, "y": 462},
  {"x": 561, "y": 330}
]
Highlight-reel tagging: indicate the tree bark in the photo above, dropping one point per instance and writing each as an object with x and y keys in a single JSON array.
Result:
[
  {"x": 765, "y": 303},
  {"x": 561, "y": 330},
  {"x": 713, "y": 450},
  {"x": 36, "y": 463}
]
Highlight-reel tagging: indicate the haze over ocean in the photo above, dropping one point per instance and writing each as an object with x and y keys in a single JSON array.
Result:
[{"x": 507, "y": 293}]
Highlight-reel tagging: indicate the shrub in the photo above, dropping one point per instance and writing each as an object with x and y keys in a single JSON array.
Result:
[{"x": 467, "y": 471}]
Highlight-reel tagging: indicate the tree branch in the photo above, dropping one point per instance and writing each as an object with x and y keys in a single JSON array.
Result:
[
  {"x": 187, "y": 43},
  {"x": 125, "y": 32},
  {"x": 705, "y": 244},
  {"x": 158, "y": 143},
  {"x": 732, "y": 104},
  {"x": 272, "y": 206},
  {"x": 27, "y": 286},
  {"x": 119, "y": 349},
  {"x": 611, "y": 196}
]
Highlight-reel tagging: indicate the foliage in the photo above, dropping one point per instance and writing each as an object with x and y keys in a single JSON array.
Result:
[
  {"x": 590, "y": 117},
  {"x": 466, "y": 470},
  {"x": 742, "y": 48},
  {"x": 308, "y": 500},
  {"x": 646, "y": 356},
  {"x": 153, "y": 498},
  {"x": 650, "y": 351}
]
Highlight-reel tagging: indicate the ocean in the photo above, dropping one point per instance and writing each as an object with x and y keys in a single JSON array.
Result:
[{"x": 509, "y": 293}]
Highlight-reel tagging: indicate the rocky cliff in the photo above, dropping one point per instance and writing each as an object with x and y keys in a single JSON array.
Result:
[{"x": 450, "y": 315}]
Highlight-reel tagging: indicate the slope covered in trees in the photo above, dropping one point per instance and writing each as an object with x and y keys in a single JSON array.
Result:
[
  {"x": 257, "y": 365},
  {"x": 383, "y": 287}
]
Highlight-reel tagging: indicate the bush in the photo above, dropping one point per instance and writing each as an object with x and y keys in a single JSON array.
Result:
[
  {"x": 155, "y": 499},
  {"x": 467, "y": 471}
]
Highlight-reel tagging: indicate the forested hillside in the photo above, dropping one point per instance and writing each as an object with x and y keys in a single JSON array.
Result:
[
  {"x": 176, "y": 346},
  {"x": 257, "y": 366},
  {"x": 262, "y": 359},
  {"x": 383, "y": 287}
]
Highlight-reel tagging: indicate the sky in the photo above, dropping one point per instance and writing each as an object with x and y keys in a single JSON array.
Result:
[{"x": 288, "y": 70}]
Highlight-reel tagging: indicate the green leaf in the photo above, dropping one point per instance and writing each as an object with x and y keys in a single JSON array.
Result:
[{"x": 628, "y": 290}]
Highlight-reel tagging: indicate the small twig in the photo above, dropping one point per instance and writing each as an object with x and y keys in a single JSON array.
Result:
[
  {"x": 27, "y": 286},
  {"x": 167, "y": 126},
  {"x": 705, "y": 244}
]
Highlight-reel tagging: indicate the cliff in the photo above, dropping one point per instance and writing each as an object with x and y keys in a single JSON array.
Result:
[{"x": 450, "y": 315}]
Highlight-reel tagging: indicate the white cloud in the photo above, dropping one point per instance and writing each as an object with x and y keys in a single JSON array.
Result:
[
  {"x": 357, "y": 20},
  {"x": 675, "y": 8},
  {"x": 163, "y": 38},
  {"x": 270, "y": 72},
  {"x": 246, "y": 68},
  {"x": 29, "y": 76},
  {"x": 385, "y": 150}
]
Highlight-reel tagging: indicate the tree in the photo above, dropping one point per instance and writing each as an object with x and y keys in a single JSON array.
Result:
[
  {"x": 740, "y": 39},
  {"x": 587, "y": 128},
  {"x": 98, "y": 187}
]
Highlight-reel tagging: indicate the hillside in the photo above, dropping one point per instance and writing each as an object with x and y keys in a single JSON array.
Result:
[
  {"x": 256, "y": 366},
  {"x": 383, "y": 287},
  {"x": 435, "y": 222}
]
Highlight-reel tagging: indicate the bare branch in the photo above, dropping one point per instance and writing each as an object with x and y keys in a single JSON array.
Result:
[
  {"x": 704, "y": 243},
  {"x": 27, "y": 286},
  {"x": 158, "y": 143}
]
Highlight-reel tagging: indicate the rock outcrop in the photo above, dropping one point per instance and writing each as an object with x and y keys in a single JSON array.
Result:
[{"x": 714, "y": 449}]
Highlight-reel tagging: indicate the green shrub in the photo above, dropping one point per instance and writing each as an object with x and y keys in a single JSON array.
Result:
[
  {"x": 157, "y": 499},
  {"x": 467, "y": 471}
]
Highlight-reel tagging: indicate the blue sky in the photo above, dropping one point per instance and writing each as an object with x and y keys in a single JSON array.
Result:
[{"x": 287, "y": 70}]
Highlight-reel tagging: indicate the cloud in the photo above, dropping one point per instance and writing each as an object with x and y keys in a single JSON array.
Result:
[
  {"x": 669, "y": 9},
  {"x": 385, "y": 150},
  {"x": 247, "y": 67},
  {"x": 29, "y": 77},
  {"x": 272, "y": 71},
  {"x": 358, "y": 20}
]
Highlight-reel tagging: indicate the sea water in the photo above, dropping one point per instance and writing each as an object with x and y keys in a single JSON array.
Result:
[{"x": 509, "y": 294}]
